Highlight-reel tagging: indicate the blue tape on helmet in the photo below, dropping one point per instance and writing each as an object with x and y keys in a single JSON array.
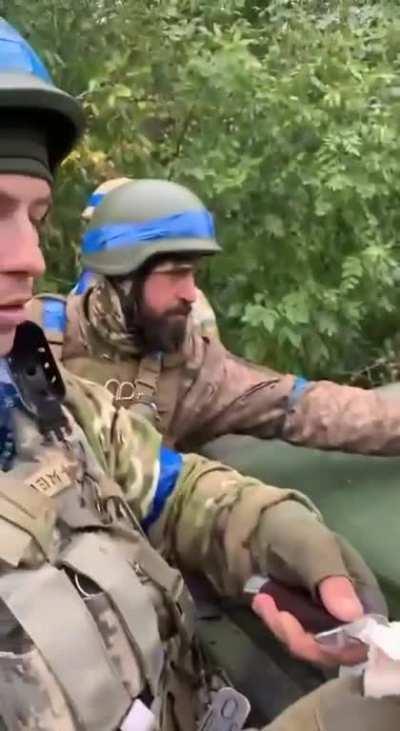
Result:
[
  {"x": 17, "y": 55},
  {"x": 192, "y": 225},
  {"x": 54, "y": 315},
  {"x": 84, "y": 282},
  {"x": 170, "y": 469},
  {"x": 95, "y": 199}
]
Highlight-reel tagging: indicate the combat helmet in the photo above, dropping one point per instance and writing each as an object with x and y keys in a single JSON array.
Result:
[
  {"x": 87, "y": 278},
  {"x": 98, "y": 195},
  {"x": 26, "y": 86},
  {"x": 142, "y": 219}
]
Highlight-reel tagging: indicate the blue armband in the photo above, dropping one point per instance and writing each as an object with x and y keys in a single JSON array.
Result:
[
  {"x": 54, "y": 314},
  {"x": 170, "y": 468},
  {"x": 299, "y": 386}
]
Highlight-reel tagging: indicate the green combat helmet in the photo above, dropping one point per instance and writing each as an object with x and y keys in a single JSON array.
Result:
[
  {"x": 26, "y": 84},
  {"x": 87, "y": 278},
  {"x": 144, "y": 218},
  {"x": 99, "y": 194}
]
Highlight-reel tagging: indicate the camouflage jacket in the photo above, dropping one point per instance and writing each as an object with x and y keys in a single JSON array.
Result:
[
  {"x": 71, "y": 502},
  {"x": 205, "y": 391},
  {"x": 186, "y": 503}
]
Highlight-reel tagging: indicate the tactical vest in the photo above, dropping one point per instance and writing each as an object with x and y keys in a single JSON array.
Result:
[
  {"x": 134, "y": 384},
  {"x": 92, "y": 619}
]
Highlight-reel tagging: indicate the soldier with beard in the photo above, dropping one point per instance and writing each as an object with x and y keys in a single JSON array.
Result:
[
  {"x": 95, "y": 516},
  {"x": 132, "y": 332},
  {"x": 202, "y": 316}
]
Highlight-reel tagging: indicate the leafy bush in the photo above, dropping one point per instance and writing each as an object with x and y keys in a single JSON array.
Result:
[{"x": 285, "y": 118}]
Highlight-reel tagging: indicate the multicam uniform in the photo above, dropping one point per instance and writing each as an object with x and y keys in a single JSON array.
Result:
[
  {"x": 204, "y": 391},
  {"x": 84, "y": 597},
  {"x": 340, "y": 705},
  {"x": 94, "y": 624}
]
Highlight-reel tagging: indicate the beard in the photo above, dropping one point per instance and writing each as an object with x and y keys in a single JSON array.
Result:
[
  {"x": 164, "y": 332},
  {"x": 153, "y": 332}
]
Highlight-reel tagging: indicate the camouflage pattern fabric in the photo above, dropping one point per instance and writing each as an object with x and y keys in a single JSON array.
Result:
[
  {"x": 103, "y": 443},
  {"x": 104, "y": 305},
  {"x": 340, "y": 706},
  {"x": 104, "y": 308},
  {"x": 203, "y": 317},
  {"x": 219, "y": 393},
  {"x": 214, "y": 520},
  {"x": 28, "y": 690},
  {"x": 208, "y": 498}
]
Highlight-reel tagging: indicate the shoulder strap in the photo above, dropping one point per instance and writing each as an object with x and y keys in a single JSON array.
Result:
[
  {"x": 168, "y": 393},
  {"x": 143, "y": 398},
  {"x": 49, "y": 311},
  {"x": 148, "y": 375}
]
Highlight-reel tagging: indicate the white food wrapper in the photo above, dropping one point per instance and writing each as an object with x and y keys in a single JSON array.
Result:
[{"x": 382, "y": 669}]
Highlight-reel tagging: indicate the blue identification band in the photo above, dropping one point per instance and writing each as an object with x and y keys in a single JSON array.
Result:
[
  {"x": 300, "y": 385},
  {"x": 192, "y": 225},
  {"x": 16, "y": 54},
  {"x": 54, "y": 315},
  {"x": 83, "y": 283},
  {"x": 95, "y": 199},
  {"x": 170, "y": 469}
]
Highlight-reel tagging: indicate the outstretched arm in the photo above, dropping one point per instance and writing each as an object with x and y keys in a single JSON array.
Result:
[{"x": 240, "y": 397}]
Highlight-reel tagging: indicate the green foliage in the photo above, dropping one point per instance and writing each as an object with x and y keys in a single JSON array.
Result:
[{"x": 285, "y": 117}]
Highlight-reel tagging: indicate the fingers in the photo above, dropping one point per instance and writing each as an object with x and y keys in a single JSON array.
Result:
[
  {"x": 364, "y": 580},
  {"x": 340, "y": 599},
  {"x": 354, "y": 654},
  {"x": 286, "y": 628}
]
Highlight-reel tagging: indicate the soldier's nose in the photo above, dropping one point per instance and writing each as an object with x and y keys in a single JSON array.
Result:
[{"x": 187, "y": 288}]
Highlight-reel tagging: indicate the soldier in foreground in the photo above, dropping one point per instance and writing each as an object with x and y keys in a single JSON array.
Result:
[
  {"x": 95, "y": 625},
  {"x": 132, "y": 332}
]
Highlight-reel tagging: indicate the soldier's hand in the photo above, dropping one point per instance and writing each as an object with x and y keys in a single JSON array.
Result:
[
  {"x": 295, "y": 548},
  {"x": 340, "y": 599}
]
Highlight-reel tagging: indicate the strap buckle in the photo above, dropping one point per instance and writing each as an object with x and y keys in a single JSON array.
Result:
[{"x": 228, "y": 711}]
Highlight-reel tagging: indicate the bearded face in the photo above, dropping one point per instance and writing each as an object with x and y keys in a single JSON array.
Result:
[
  {"x": 156, "y": 304},
  {"x": 165, "y": 332}
]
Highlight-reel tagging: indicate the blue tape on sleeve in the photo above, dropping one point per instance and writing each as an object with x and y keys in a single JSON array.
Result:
[
  {"x": 191, "y": 225},
  {"x": 17, "y": 55},
  {"x": 299, "y": 386},
  {"x": 170, "y": 469},
  {"x": 54, "y": 315}
]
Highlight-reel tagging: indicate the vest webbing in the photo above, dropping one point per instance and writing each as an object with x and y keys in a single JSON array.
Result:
[{"x": 119, "y": 562}]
